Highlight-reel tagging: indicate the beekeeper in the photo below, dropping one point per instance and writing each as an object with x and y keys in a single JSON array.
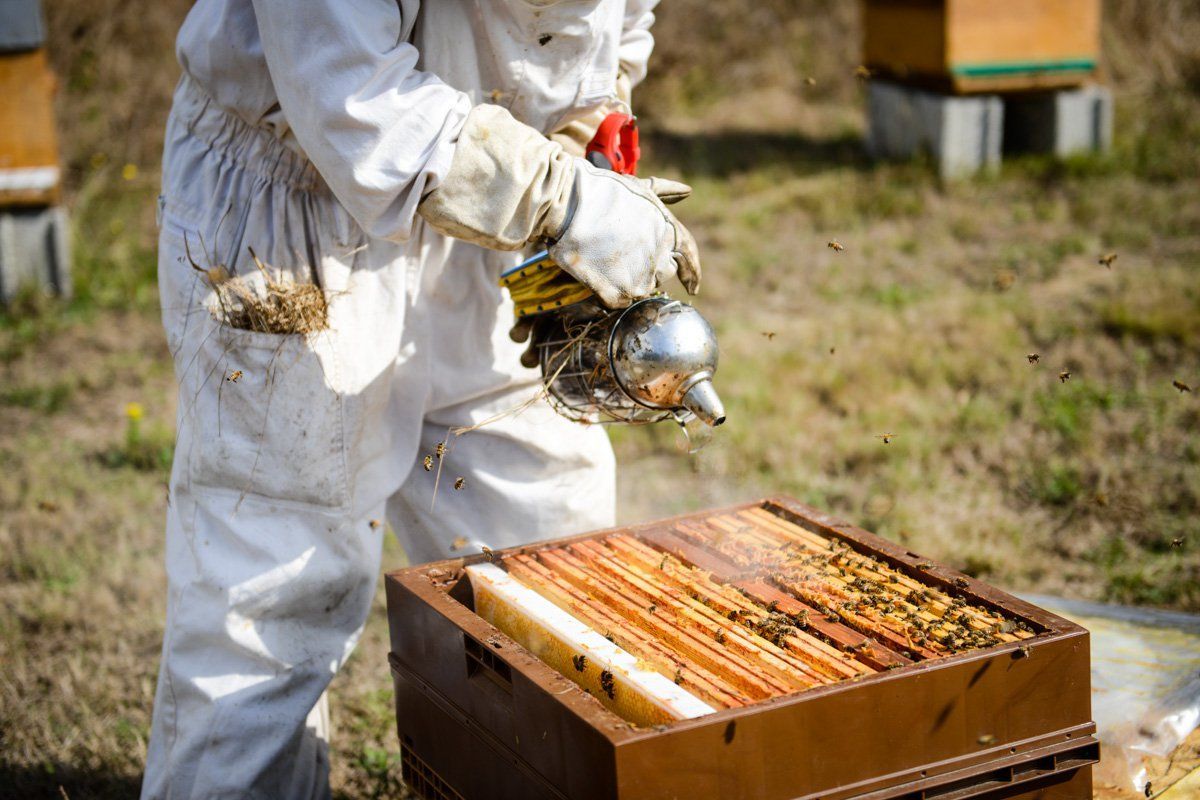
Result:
[{"x": 396, "y": 155}]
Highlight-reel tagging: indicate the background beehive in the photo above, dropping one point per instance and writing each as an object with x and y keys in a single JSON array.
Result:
[{"x": 983, "y": 45}]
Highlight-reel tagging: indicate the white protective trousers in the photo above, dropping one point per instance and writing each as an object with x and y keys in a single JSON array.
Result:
[{"x": 282, "y": 475}]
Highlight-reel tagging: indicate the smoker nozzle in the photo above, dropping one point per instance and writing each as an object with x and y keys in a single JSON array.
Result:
[{"x": 703, "y": 401}]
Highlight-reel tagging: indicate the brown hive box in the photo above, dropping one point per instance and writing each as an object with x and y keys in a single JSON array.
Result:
[
  {"x": 983, "y": 45},
  {"x": 836, "y": 665}
]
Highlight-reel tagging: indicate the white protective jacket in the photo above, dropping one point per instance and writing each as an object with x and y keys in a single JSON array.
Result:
[{"x": 309, "y": 132}]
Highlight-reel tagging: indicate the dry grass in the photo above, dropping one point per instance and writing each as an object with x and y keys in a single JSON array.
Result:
[
  {"x": 265, "y": 302},
  {"x": 920, "y": 328}
]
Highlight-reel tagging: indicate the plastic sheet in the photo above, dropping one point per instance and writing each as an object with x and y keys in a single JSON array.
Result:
[{"x": 1145, "y": 682}]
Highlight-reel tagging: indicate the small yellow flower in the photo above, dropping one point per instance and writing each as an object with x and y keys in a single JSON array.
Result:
[
  {"x": 134, "y": 411},
  {"x": 129, "y": 171}
]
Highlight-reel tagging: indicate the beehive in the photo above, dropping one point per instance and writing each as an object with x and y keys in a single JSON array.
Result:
[
  {"x": 970, "y": 46},
  {"x": 765, "y": 651}
]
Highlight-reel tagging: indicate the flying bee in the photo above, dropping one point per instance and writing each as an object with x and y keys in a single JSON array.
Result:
[
  {"x": 836, "y": 246},
  {"x": 459, "y": 543},
  {"x": 1033, "y": 358},
  {"x": 489, "y": 554},
  {"x": 440, "y": 449},
  {"x": 810, "y": 81},
  {"x": 986, "y": 739},
  {"x": 1064, "y": 376},
  {"x": 862, "y": 72},
  {"x": 1177, "y": 542},
  {"x": 769, "y": 335},
  {"x": 460, "y": 483},
  {"x": 886, "y": 438},
  {"x": 1181, "y": 386},
  {"x": 427, "y": 462},
  {"x": 234, "y": 376},
  {"x": 1107, "y": 260},
  {"x": 375, "y": 523}
]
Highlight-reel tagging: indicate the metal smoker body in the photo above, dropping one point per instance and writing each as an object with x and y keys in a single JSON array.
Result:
[{"x": 649, "y": 362}]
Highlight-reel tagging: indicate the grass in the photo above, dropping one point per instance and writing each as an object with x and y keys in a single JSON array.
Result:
[{"x": 919, "y": 328}]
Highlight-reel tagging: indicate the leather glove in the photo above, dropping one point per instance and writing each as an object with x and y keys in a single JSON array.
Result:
[
  {"x": 577, "y": 134},
  {"x": 509, "y": 185}
]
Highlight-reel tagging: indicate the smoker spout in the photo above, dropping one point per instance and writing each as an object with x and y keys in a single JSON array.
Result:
[{"x": 703, "y": 401}]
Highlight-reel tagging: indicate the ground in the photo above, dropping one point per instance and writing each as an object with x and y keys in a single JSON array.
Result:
[{"x": 920, "y": 329}]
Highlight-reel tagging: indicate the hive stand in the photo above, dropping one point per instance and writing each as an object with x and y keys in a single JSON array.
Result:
[{"x": 966, "y": 134}]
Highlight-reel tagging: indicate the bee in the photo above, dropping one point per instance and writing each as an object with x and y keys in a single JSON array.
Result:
[
  {"x": 1064, "y": 376},
  {"x": 810, "y": 81},
  {"x": 460, "y": 483},
  {"x": 925, "y": 565},
  {"x": 986, "y": 739},
  {"x": 608, "y": 684},
  {"x": 427, "y": 462},
  {"x": 440, "y": 449},
  {"x": 459, "y": 543},
  {"x": 1033, "y": 358},
  {"x": 886, "y": 437},
  {"x": 49, "y": 506},
  {"x": 678, "y": 676},
  {"x": 1004, "y": 280},
  {"x": 1148, "y": 789},
  {"x": 862, "y": 72},
  {"x": 1181, "y": 386},
  {"x": 1107, "y": 260},
  {"x": 961, "y": 583},
  {"x": 769, "y": 335},
  {"x": 580, "y": 662},
  {"x": 832, "y": 350},
  {"x": 1177, "y": 542},
  {"x": 663, "y": 564},
  {"x": 234, "y": 376},
  {"x": 489, "y": 554},
  {"x": 653, "y": 607},
  {"x": 836, "y": 246},
  {"x": 1021, "y": 652},
  {"x": 375, "y": 524},
  {"x": 720, "y": 637}
]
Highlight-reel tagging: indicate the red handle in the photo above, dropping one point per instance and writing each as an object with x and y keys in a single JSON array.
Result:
[{"x": 615, "y": 145}]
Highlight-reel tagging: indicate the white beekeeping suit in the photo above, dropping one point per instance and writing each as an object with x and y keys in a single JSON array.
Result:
[{"x": 396, "y": 155}]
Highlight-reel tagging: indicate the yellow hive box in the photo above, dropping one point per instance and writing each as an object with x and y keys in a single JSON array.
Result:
[
  {"x": 29, "y": 172},
  {"x": 967, "y": 46}
]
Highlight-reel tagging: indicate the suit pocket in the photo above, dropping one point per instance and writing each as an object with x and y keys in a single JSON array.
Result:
[{"x": 267, "y": 416}]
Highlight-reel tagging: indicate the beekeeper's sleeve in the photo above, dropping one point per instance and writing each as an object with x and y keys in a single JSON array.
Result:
[
  {"x": 380, "y": 132},
  {"x": 636, "y": 40}
]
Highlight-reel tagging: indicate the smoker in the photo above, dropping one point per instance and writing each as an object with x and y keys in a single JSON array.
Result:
[{"x": 764, "y": 651}]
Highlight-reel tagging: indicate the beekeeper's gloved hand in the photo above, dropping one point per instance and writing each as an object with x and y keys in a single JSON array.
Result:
[{"x": 508, "y": 186}]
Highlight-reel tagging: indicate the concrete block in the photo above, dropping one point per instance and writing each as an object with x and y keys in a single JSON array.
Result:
[
  {"x": 961, "y": 134},
  {"x": 1059, "y": 123},
  {"x": 34, "y": 251}
]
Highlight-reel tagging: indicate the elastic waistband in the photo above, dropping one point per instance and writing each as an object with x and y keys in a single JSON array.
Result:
[{"x": 255, "y": 149}]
